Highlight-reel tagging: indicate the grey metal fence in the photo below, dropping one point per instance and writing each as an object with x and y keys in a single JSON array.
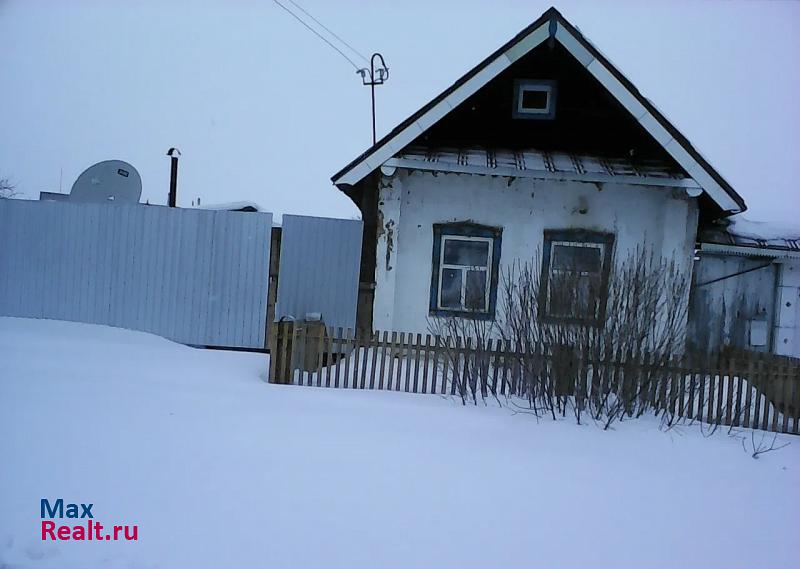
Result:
[{"x": 195, "y": 276}]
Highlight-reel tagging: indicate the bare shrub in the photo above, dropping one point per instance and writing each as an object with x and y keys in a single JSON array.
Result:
[
  {"x": 466, "y": 344},
  {"x": 761, "y": 443},
  {"x": 576, "y": 344},
  {"x": 7, "y": 189}
]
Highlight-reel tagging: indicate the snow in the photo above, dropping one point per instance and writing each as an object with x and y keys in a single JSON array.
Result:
[
  {"x": 220, "y": 469},
  {"x": 768, "y": 231},
  {"x": 232, "y": 206}
]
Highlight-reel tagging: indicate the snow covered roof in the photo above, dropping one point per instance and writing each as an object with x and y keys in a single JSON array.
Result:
[
  {"x": 233, "y": 206},
  {"x": 542, "y": 165},
  {"x": 551, "y": 25},
  {"x": 754, "y": 238}
]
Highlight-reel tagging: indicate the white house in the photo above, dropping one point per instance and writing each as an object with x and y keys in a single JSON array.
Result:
[{"x": 544, "y": 150}]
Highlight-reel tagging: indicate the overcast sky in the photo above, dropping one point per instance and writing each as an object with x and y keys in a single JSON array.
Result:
[{"x": 264, "y": 111}]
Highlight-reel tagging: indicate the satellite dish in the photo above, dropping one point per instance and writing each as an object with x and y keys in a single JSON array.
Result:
[{"x": 110, "y": 181}]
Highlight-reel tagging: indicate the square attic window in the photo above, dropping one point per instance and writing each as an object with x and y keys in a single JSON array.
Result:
[{"x": 534, "y": 99}]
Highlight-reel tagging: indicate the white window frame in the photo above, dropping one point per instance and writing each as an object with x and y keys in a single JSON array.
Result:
[
  {"x": 464, "y": 268},
  {"x": 523, "y": 110},
  {"x": 551, "y": 271}
]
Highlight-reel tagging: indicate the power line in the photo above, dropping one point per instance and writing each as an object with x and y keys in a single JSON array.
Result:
[
  {"x": 327, "y": 29},
  {"x": 339, "y": 51}
]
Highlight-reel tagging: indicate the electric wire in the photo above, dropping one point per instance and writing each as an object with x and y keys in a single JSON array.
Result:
[
  {"x": 320, "y": 36},
  {"x": 330, "y": 31}
]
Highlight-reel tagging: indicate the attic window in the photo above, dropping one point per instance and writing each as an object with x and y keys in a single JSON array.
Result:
[{"x": 534, "y": 99}]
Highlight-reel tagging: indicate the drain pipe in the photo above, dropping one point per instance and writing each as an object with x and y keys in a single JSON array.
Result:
[{"x": 172, "y": 200}]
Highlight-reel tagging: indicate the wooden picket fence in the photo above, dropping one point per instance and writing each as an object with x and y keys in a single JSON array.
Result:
[{"x": 737, "y": 388}]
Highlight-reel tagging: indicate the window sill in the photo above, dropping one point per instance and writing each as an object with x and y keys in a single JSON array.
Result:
[{"x": 462, "y": 314}]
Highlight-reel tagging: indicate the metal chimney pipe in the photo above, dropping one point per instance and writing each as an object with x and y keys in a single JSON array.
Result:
[{"x": 172, "y": 200}]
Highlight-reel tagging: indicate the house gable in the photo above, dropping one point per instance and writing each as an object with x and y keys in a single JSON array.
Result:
[
  {"x": 585, "y": 118},
  {"x": 597, "y": 110}
]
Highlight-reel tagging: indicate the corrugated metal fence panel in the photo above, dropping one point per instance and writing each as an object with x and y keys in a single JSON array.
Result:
[
  {"x": 319, "y": 266},
  {"x": 195, "y": 276}
]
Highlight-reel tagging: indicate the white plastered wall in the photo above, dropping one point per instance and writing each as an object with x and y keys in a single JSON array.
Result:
[{"x": 411, "y": 202}]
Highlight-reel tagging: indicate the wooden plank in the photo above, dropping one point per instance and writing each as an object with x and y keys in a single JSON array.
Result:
[
  {"x": 795, "y": 377},
  {"x": 374, "y": 347},
  {"x": 748, "y": 394},
  {"x": 382, "y": 347},
  {"x": 758, "y": 382},
  {"x": 671, "y": 389},
  {"x": 435, "y": 356},
  {"x": 729, "y": 372},
  {"x": 278, "y": 356},
  {"x": 390, "y": 373},
  {"x": 455, "y": 362},
  {"x": 273, "y": 353},
  {"x": 428, "y": 347},
  {"x": 365, "y": 342},
  {"x": 737, "y": 394},
  {"x": 504, "y": 369},
  {"x": 339, "y": 354},
  {"x": 308, "y": 344},
  {"x": 701, "y": 401},
  {"x": 407, "y": 360},
  {"x": 401, "y": 346},
  {"x": 785, "y": 396},
  {"x": 417, "y": 353},
  {"x": 285, "y": 353},
  {"x": 720, "y": 396},
  {"x": 329, "y": 356},
  {"x": 769, "y": 386},
  {"x": 681, "y": 384},
  {"x": 498, "y": 347},
  {"x": 445, "y": 364},
  {"x": 692, "y": 378},
  {"x": 777, "y": 396},
  {"x": 468, "y": 368},
  {"x": 320, "y": 351},
  {"x": 297, "y": 342},
  {"x": 348, "y": 352},
  {"x": 485, "y": 352},
  {"x": 712, "y": 393},
  {"x": 356, "y": 360}
]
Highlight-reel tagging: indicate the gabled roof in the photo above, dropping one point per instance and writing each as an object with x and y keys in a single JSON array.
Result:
[{"x": 550, "y": 25}]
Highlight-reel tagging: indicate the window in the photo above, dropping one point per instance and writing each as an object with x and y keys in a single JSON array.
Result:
[
  {"x": 575, "y": 268},
  {"x": 466, "y": 258},
  {"x": 534, "y": 99}
]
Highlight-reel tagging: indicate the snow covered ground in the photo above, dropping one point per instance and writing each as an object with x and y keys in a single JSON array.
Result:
[{"x": 220, "y": 469}]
